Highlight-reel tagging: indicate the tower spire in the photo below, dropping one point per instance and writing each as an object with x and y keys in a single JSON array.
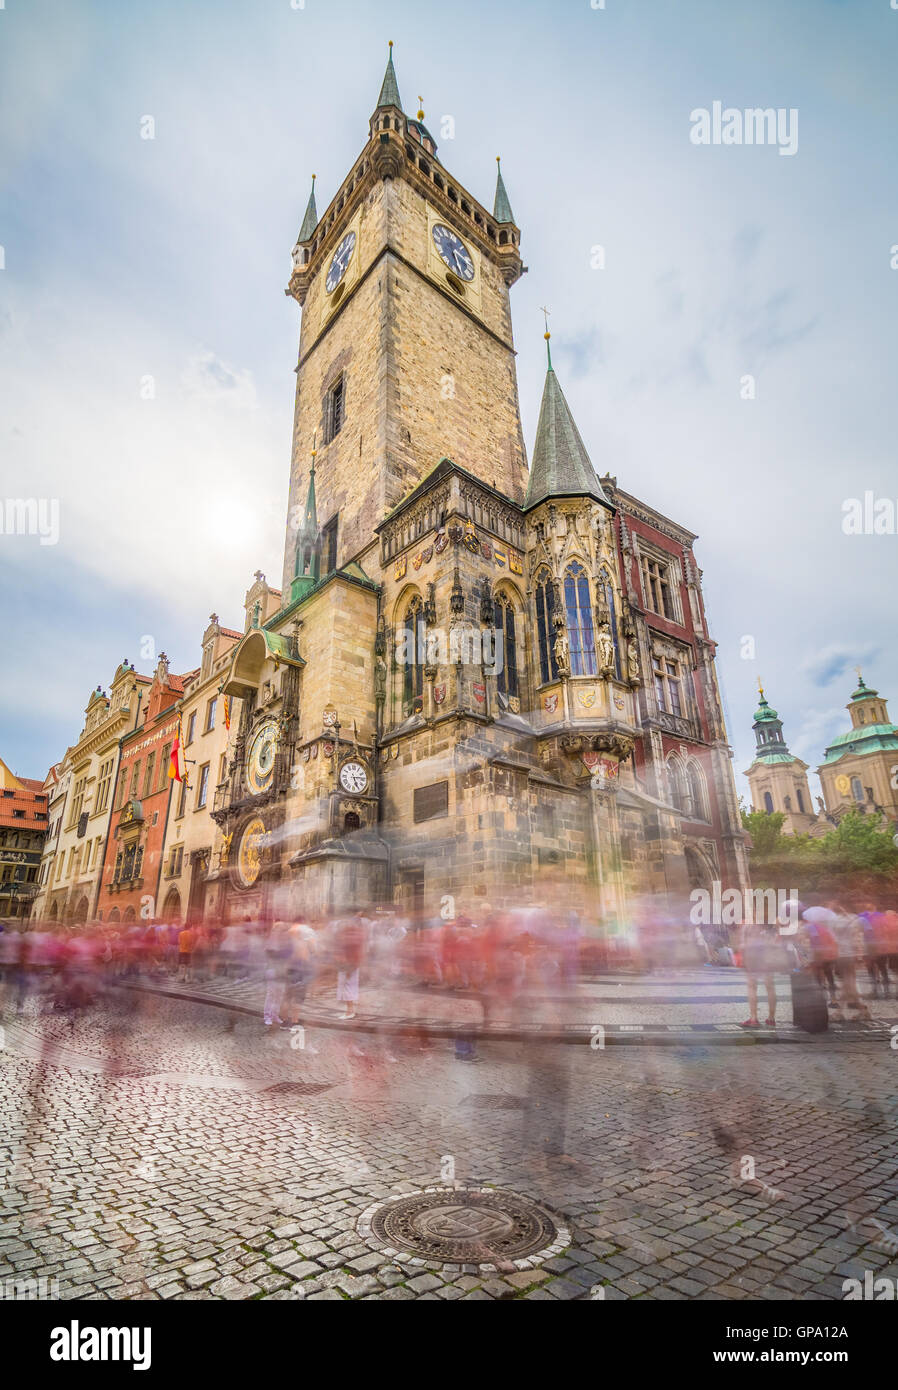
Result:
[
  {"x": 501, "y": 207},
  {"x": 389, "y": 92},
  {"x": 310, "y": 221},
  {"x": 560, "y": 465}
]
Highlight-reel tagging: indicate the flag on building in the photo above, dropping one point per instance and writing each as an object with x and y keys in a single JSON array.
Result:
[
  {"x": 227, "y": 713},
  {"x": 173, "y": 768}
]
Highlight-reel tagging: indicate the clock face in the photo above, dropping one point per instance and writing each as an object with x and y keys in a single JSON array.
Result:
[
  {"x": 249, "y": 857},
  {"x": 353, "y": 777},
  {"x": 340, "y": 263},
  {"x": 453, "y": 251},
  {"x": 260, "y": 759}
]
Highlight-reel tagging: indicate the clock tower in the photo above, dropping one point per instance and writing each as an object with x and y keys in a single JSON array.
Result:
[{"x": 406, "y": 352}]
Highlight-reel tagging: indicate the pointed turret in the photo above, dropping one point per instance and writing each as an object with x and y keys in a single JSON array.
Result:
[
  {"x": 501, "y": 207},
  {"x": 308, "y": 541},
  {"x": 561, "y": 466},
  {"x": 389, "y": 92},
  {"x": 768, "y": 731},
  {"x": 310, "y": 221}
]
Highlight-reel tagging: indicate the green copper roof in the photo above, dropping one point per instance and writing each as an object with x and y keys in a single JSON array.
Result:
[
  {"x": 310, "y": 516},
  {"x": 310, "y": 221},
  {"x": 764, "y": 712},
  {"x": 868, "y": 738},
  {"x": 502, "y": 207},
  {"x": 389, "y": 92},
  {"x": 863, "y": 692},
  {"x": 769, "y": 758},
  {"x": 560, "y": 466}
]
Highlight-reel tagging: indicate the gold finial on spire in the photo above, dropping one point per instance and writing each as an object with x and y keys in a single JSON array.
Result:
[
  {"x": 314, "y": 447},
  {"x": 547, "y": 335},
  {"x": 420, "y": 108},
  {"x": 390, "y": 42},
  {"x": 858, "y": 670},
  {"x": 760, "y": 688}
]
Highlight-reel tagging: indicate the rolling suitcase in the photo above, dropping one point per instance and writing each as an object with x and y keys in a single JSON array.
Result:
[{"x": 809, "y": 1010}]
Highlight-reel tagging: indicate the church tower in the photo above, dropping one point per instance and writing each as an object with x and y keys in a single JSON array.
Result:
[
  {"x": 778, "y": 780},
  {"x": 406, "y": 350},
  {"x": 860, "y": 767}
]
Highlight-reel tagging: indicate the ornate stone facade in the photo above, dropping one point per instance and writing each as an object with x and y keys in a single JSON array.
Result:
[{"x": 471, "y": 685}]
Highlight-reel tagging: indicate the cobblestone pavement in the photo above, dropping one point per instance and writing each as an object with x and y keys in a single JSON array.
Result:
[{"x": 160, "y": 1149}]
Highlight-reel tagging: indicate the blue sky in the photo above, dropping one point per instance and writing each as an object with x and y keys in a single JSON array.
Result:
[{"x": 127, "y": 258}]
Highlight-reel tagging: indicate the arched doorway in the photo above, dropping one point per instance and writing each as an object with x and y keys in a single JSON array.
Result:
[
  {"x": 699, "y": 871},
  {"x": 171, "y": 911},
  {"x": 53, "y": 914},
  {"x": 114, "y": 915},
  {"x": 79, "y": 916},
  {"x": 130, "y": 915}
]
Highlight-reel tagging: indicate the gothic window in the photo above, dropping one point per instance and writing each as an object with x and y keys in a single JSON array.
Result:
[
  {"x": 667, "y": 685},
  {"x": 698, "y": 791},
  {"x": 334, "y": 409},
  {"x": 679, "y": 789},
  {"x": 578, "y": 610},
  {"x": 545, "y": 611},
  {"x": 606, "y": 590},
  {"x": 329, "y": 545},
  {"x": 413, "y": 683},
  {"x": 656, "y": 586},
  {"x": 768, "y": 803},
  {"x": 504, "y": 623}
]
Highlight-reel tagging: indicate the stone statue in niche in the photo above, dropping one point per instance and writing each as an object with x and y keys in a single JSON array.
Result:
[
  {"x": 561, "y": 652},
  {"x": 605, "y": 648},
  {"x": 633, "y": 659}
]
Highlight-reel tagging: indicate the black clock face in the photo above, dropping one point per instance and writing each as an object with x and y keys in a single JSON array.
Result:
[
  {"x": 453, "y": 251},
  {"x": 340, "y": 263}
]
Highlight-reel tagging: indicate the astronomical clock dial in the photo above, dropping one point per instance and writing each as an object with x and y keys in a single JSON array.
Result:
[
  {"x": 353, "y": 778},
  {"x": 249, "y": 855},
  {"x": 340, "y": 263},
  {"x": 260, "y": 759},
  {"x": 453, "y": 251}
]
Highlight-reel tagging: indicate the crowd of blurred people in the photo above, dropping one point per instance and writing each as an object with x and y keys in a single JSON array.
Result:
[{"x": 497, "y": 956}]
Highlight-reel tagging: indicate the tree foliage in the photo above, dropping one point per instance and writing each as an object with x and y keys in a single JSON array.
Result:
[{"x": 856, "y": 858}]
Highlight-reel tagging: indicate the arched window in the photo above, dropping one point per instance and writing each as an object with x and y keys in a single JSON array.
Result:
[
  {"x": 606, "y": 590},
  {"x": 768, "y": 803},
  {"x": 800, "y": 799},
  {"x": 578, "y": 611},
  {"x": 857, "y": 790},
  {"x": 545, "y": 612},
  {"x": 787, "y": 803},
  {"x": 679, "y": 790},
  {"x": 698, "y": 791},
  {"x": 413, "y": 653},
  {"x": 351, "y": 821},
  {"x": 504, "y": 622}
]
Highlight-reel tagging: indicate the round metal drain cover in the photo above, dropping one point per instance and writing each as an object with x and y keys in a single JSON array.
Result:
[{"x": 464, "y": 1225}]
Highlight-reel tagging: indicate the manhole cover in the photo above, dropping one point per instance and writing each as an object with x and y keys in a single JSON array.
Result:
[
  {"x": 464, "y": 1225},
  {"x": 496, "y": 1102},
  {"x": 297, "y": 1088}
]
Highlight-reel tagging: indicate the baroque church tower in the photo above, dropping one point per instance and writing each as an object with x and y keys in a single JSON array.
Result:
[{"x": 456, "y": 694}]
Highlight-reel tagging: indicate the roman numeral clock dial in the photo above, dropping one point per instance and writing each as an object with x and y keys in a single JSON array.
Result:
[
  {"x": 340, "y": 263},
  {"x": 453, "y": 251}
]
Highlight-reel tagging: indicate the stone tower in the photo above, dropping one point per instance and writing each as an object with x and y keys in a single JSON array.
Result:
[
  {"x": 860, "y": 767},
  {"x": 406, "y": 351},
  {"x": 778, "y": 780}
]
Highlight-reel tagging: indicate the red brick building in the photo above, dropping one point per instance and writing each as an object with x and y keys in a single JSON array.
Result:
[
  {"x": 682, "y": 756},
  {"x": 132, "y": 867}
]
